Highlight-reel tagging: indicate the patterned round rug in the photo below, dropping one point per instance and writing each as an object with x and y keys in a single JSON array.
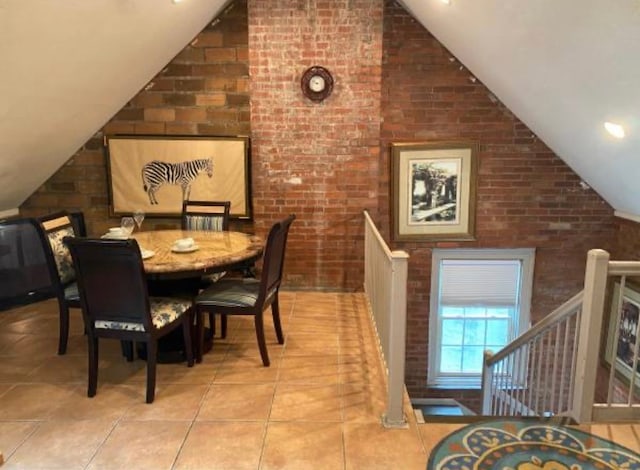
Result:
[{"x": 528, "y": 445}]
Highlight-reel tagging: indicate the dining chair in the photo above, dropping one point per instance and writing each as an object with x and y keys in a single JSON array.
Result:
[
  {"x": 115, "y": 303},
  {"x": 247, "y": 296},
  {"x": 79, "y": 225},
  {"x": 211, "y": 216},
  {"x": 51, "y": 230}
]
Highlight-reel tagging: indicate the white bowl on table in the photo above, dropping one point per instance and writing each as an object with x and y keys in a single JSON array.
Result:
[{"x": 184, "y": 245}]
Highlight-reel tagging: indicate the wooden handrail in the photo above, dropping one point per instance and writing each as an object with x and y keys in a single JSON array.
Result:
[
  {"x": 623, "y": 268},
  {"x": 547, "y": 322}
]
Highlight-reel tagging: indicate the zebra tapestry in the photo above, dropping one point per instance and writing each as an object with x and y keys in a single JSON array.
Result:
[{"x": 157, "y": 173}]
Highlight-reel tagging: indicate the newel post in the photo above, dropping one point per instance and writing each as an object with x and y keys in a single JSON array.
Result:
[
  {"x": 487, "y": 384},
  {"x": 595, "y": 282}
]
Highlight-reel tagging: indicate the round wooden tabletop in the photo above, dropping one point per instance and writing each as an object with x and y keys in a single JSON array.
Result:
[{"x": 213, "y": 251}]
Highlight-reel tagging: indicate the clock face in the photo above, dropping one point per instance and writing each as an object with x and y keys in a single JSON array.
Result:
[{"x": 317, "y": 83}]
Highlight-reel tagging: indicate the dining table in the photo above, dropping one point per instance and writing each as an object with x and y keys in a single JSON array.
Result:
[
  {"x": 176, "y": 271},
  {"x": 211, "y": 252}
]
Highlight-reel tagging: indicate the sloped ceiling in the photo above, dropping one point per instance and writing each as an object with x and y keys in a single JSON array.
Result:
[
  {"x": 563, "y": 67},
  {"x": 69, "y": 66}
]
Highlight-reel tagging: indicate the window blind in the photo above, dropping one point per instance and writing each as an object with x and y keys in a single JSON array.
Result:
[{"x": 479, "y": 282}]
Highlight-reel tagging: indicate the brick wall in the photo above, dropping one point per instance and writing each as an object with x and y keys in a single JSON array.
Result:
[
  {"x": 318, "y": 160},
  {"x": 328, "y": 161},
  {"x": 526, "y": 196},
  {"x": 204, "y": 90}
]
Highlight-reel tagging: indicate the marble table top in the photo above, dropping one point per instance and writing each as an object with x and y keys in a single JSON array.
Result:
[{"x": 215, "y": 251}]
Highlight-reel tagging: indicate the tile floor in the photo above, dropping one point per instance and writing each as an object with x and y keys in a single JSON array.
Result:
[{"x": 318, "y": 406}]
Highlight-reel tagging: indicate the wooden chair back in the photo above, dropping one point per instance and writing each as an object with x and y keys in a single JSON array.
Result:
[
  {"x": 111, "y": 281},
  {"x": 206, "y": 215}
]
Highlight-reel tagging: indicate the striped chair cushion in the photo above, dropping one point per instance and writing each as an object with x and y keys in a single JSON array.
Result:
[
  {"x": 230, "y": 293},
  {"x": 204, "y": 222},
  {"x": 164, "y": 310}
]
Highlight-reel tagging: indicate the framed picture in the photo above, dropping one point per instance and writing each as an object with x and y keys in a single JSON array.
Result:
[
  {"x": 157, "y": 173},
  {"x": 626, "y": 326},
  {"x": 433, "y": 191}
]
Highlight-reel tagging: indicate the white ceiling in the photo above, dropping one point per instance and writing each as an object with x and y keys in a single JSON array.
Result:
[
  {"x": 69, "y": 66},
  {"x": 563, "y": 67}
]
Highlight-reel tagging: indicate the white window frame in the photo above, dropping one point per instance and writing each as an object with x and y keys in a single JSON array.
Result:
[{"x": 525, "y": 255}]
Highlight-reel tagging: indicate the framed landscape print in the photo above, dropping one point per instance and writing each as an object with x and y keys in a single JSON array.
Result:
[
  {"x": 156, "y": 173},
  {"x": 433, "y": 191},
  {"x": 623, "y": 331}
]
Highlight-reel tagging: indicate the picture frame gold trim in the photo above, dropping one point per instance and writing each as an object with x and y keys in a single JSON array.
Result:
[
  {"x": 433, "y": 191},
  {"x": 139, "y": 169}
]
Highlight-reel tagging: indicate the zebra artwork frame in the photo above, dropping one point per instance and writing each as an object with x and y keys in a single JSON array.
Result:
[
  {"x": 157, "y": 173},
  {"x": 433, "y": 191}
]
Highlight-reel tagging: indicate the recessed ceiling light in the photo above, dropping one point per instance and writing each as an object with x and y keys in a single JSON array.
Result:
[
  {"x": 448, "y": 2},
  {"x": 614, "y": 129}
]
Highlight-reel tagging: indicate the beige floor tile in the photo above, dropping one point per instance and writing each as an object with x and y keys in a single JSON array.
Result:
[
  {"x": 17, "y": 368},
  {"x": 249, "y": 335},
  {"x": 249, "y": 350},
  {"x": 324, "y": 312},
  {"x": 626, "y": 435},
  {"x": 301, "y": 446},
  {"x": 361, "y": 369},
  {"x": 293, "y": 402},
  {"x": 362, "y": 403},
  {"x": 37, "y": 346},
  {"x": 249, "y": 402},
  {"x": 13, "y": 434},
  {"x": 433, "y": 433},
  {"x": 150, "y": 445},
  {"x": 32, "y": 401},
  {"x": 311, "y": 344},
  {"x": 202, "y": 373},
  {"x": 110, "y": 403},
  {"x": 61, "y": 369},
  {"x": 44, "y": 326},
  {"x": 8, "y": 343},
  {"x": 78, "y": 344},
  {"x": 313, "y": 326},
  {"x": 370, "y": 446},
  {"x": 222, "y": 445},
  {"x": 61, "y": 444},
  {"x": 116, "y": 370},
  {"x": 247, "y": 370},
  {"x": 309, "y": 369},
  {"x": 173, "y": 402}
]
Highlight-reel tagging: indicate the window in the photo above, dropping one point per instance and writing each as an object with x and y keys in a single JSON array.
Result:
[{"x": 480, "y": 300}]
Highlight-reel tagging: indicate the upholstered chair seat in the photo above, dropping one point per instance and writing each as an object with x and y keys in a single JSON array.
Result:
[{"x": 249, "y": 296}]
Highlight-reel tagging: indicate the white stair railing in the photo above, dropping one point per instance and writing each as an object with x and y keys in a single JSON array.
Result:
[
  {"x": 552, "y": 369},
  {"x": 385, "y": 285},
  {"x": 533, "y": 375}
]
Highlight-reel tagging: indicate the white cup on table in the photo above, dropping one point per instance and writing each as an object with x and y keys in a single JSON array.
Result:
[{"x": 183, "y": 243}]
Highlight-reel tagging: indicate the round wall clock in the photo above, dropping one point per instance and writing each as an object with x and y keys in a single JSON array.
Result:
[{"x": 317, "y": 83}]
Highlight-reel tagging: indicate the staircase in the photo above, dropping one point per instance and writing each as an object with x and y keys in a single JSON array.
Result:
[
  {"x": 552, "y": 369},
  {"x": 555, "y": 369}
]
